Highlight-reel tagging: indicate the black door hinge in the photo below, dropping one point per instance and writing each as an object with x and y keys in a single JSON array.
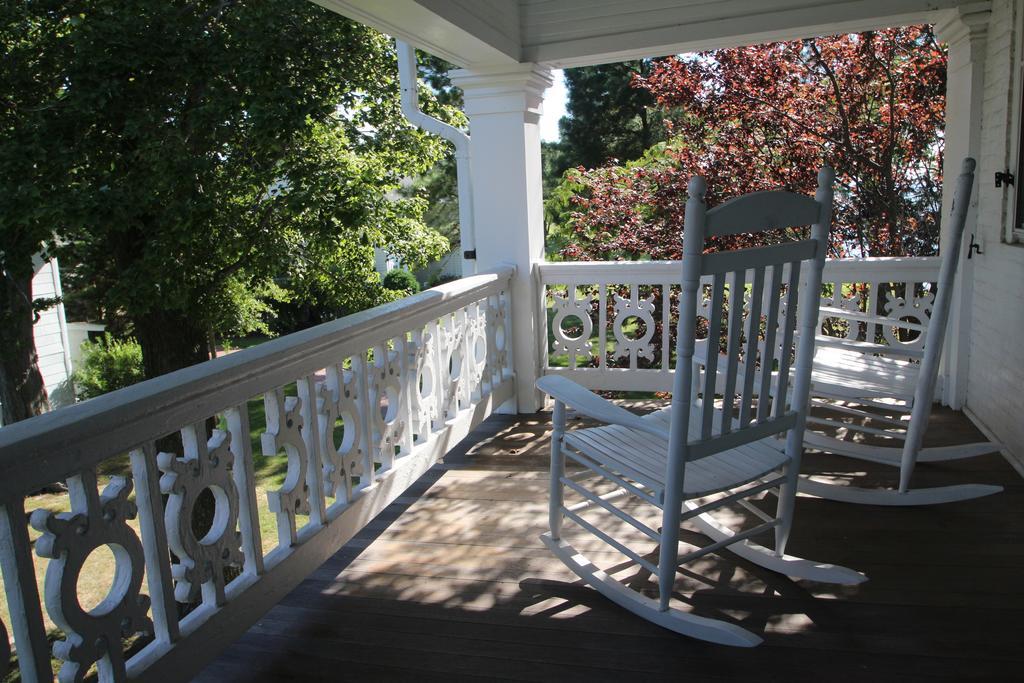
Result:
[
  {"x": 1004, "y": 177},
  {"x": 469, "y": 254}
]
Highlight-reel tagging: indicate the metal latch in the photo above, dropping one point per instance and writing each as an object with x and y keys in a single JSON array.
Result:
[{"x": 974, "y": 248}]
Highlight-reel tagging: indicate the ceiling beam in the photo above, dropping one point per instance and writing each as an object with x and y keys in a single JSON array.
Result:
[
  {"x": 733, "y": 30},
  {"x": 457, "y": 37},
  {"x": 483, "y": 33}
]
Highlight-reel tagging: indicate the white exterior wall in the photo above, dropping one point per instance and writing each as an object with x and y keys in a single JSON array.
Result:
[
  {"x": 449, "y": 265},
  {"x": 78, "y": 334},
  {"x": 51, "y": 335},
  {"x": 382, "y": 261},
  {"x": 995, "y": 373}
]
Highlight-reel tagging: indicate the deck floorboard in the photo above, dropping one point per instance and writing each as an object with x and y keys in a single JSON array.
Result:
[{"x": 451, "y": 583}]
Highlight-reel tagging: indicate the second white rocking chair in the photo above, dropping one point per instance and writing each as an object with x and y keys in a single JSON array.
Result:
[
  {"x": 695, "y": 458},
  {"x": 854, "y": 376}
]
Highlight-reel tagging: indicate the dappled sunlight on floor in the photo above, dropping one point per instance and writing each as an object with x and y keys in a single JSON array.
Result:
[{"x": 452, "y": 581}]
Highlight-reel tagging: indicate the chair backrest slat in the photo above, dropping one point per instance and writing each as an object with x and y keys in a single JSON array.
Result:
[
  {"x": 753, "y": 333},
  {"x": 727, "y": 261},
  {"x": 757, "y": 211},
  {"x": 784, "y": 349},
  {"x": 711, "y": 369},
  {"x": 767, "y": 354},
  {"x": 737, "y": 290},
  {"x": 752, "y": 357}
]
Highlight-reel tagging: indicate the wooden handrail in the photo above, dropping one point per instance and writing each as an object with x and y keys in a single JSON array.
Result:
[
  {"x": 48, "y": 448},
  {"x": 437, "y": 360}
]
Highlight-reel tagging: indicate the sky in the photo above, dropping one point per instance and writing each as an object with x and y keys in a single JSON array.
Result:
[{"x": 554, "y": 108}]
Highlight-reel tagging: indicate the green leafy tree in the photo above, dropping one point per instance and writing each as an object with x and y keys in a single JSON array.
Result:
[
  {"x": 764, "y": 117},
  {"x": 190, "y": 154},
  {"x": 33, "y": 52},
  {"x": 608, "y": 117}
]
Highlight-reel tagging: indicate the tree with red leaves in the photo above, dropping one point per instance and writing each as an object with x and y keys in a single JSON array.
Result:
[{"x": 764, "y": 117}]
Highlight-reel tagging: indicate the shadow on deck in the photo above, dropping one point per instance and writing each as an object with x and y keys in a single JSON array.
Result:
[{"x": 451, "y": 582}]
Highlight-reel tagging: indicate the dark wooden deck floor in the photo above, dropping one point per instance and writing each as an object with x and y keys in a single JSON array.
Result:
[{"x": 451, "y": 582}]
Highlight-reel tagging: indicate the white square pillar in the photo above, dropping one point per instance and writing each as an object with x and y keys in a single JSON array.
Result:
[
  {"x": 965, "y": 32},
  {"x": 503, "y": 104}
]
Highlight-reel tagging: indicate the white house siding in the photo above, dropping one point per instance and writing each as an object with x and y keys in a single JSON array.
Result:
[
  {"x": 449, "y": 265},
  {"x": 51, "y": 335},
  {"x": 995, "y": 385},
  {"x": 78, "y": 334}
]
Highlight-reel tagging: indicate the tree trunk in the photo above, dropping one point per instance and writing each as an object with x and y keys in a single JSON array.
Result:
[
  {"x": 21, "y": 384},
  {"x": 170, "y": 341}
]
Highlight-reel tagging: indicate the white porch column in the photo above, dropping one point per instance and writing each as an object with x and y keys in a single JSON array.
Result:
[
  {"x": 965, "y": 31},
  {"x": 503, "y": 104}
]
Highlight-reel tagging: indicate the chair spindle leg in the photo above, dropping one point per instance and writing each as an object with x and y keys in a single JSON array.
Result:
[{"x": 557, "y": 471}]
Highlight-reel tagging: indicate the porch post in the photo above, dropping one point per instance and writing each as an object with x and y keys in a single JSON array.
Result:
[
  {"x": 503, "y": 104},
  {"x": 964, "y": 31}
]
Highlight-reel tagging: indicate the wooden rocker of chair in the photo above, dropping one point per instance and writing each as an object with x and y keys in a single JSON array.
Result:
[
  {"x": 695, "y": 458},
  {"x": 855, "y": 373}
]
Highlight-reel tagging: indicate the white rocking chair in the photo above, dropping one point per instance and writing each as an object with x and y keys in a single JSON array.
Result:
[
  {"x": 693, "y": 458},
  {"x": 864, "y": 375}
]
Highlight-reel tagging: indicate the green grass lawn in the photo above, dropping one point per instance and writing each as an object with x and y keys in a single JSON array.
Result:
[{"x": 239, "y": 343}]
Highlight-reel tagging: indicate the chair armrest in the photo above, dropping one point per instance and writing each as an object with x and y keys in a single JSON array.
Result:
[
  {"x": 586, "y": 402},
  {"x": 860, "y": 316}
]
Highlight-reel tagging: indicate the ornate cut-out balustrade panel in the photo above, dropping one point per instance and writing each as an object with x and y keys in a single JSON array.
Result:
[
  {"x": 612, "y": 325},
  {"x": 93, "y": 635},
  {"x": 202, "y": 561},
  {"x": 900, "y": 290},
  {"x": 344, "y": 446},
  {"x": 156, "y": 549}
]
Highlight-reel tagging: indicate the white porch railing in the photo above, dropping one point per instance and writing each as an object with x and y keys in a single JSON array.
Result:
[
  {"x": 361, "y": 407},
  {"x": 605, "y": 323}
]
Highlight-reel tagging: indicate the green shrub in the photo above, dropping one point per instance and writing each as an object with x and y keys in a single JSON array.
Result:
[
  {"x": 401, "y": 280},
  {"x": 442, "y": 278},
  {"x": 106, "y": 365}
]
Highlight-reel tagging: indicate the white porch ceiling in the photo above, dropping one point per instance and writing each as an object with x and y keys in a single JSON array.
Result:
[{"x": 561, "y": 33}]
